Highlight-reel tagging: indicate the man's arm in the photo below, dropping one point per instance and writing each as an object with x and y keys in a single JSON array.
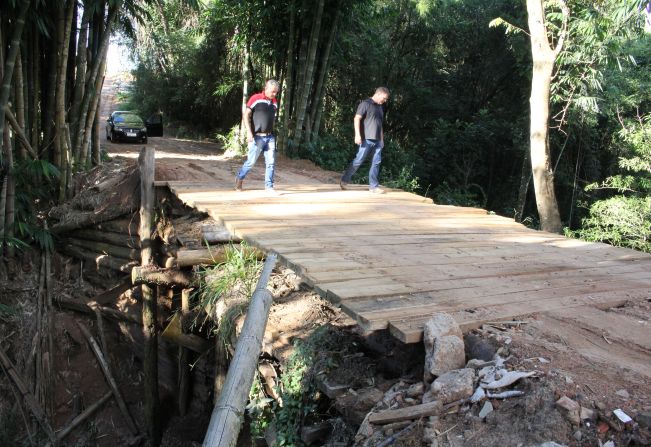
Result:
[
  {"x": 247, "y": 123},
  {"x": 357, "y": 123}
]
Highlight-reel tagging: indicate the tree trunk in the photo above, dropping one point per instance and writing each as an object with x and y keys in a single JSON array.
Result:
[
  {"x": 94, "y": 72},
  {"x": 96, "y": 151},
  {"x": 245, "y": 89},
  {"x": 543, "y": 66},
  {"x": 35, "y": 91},
  {"x": 315, "y": 113},
  {"x": 289, "y": 82},
  {"x": 90, "y": 120},
  {"x": 8, "y": 68},
  {"x": 80, "y": 78},
  {"x": 525, "y": 179},
  {"x": 20, "y": 103},
  {"x": 7, "y": 151},
  {"x": 309, "y": 74},
  {"x": 64, "y": 30}
]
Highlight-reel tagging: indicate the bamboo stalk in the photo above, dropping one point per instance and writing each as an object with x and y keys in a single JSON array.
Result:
[
  {"x": 109, "y": 378},
  {"x": 228, "y": 413},
  {"x": 29, "y": 398},
  {"x": 83, "y": 416}
]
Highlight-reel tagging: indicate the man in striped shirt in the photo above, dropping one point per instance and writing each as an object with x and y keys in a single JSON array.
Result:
[{"x": 259, "y": 117}]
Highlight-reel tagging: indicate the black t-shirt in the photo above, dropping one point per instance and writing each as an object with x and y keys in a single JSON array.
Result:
[
  {"x": 264, "y": 112},
  {"x": 372, "y": 117}
]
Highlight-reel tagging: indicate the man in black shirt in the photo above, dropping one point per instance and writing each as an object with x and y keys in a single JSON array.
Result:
[
  {"x": 369, "y": 137},
  {"x": 259, "y": 117}
]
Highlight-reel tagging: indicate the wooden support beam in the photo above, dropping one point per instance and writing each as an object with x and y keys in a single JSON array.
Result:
[
  {"x": 107, "y": 312},
  {"x": 149, "y": 299},
  {"x": 119, "y": 239},
  {"x": 115, "y": 251},
  {"x": 112, "y": 294},
  {"x": 207, "y": 256},
  {"x": 154, "y": 275},
  {"x": 128, "y": 226},
  {"x": 184, "y": 357},
  {"x": 99, "y": 260},
  {"x": 227, "y": 416}
]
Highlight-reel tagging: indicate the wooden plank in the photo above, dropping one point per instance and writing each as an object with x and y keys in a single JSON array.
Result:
[
  {"x": 374, "y": 320},
  {"x": 410, "y": 330},
  {"x": 457, "y": 297}
]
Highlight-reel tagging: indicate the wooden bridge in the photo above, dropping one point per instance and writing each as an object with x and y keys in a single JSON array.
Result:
[{"x": 390, "y": 261}]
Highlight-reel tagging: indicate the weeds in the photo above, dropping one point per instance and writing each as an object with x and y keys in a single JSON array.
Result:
[{"x": 229, "y": 285}]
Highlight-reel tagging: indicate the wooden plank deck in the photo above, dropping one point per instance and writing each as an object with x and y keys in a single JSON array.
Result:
[{"x": 392, "y": 260}]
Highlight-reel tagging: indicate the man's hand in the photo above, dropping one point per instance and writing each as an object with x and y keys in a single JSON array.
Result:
[
  {"x": 358, "y": 139},
  {"x": 249, "y": 136}
]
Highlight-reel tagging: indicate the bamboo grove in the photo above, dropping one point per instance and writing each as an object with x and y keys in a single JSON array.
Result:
[{"x": 54, "y": 57}]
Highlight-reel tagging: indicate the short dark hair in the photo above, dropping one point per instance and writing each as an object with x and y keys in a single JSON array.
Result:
[{"x": 382, "y": 90}]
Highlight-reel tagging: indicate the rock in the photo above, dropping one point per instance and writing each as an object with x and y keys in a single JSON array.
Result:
[
  {"x": 452, "y": 386},
  {"x": 317, "y": 432},
  {"x": 572, "y": 409},
  {"x": 578, "y": 435},
  {"x": 330, "y": 389},
  {"x": 644, "y": 419},
  {"x": 587, "y": 413},
  {"x": 448, "y": 354},
  {"x": 440, "y": 325},
  {"x": 270, "y": 434},
  {"x": 478, "y": 348},
  {"x": 479, "y": 364},
  {"x": 354, "y": 405},
  {"x": 416, "y": 390},
  {"x": 486, "y": 410},
  {"x": 623, "y": 393}
]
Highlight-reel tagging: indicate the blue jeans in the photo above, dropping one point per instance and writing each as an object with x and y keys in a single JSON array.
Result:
[
  {"x": 367, "y": 146},
  {"x": 260, "y": 144}
]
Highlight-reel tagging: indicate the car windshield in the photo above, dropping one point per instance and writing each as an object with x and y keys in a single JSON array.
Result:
[{"x": 128, "y": 119}]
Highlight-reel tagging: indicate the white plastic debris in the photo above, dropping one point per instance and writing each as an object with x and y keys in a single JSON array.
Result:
[
  {"x": 505, "y": 394},
  {"x": 625, "y": 418},
  {"x": 508, "y": 379},
  {"x": 543, "y": 360},
  {"x": 478, "y": 395}
]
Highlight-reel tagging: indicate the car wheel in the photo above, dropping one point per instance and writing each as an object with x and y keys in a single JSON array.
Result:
[{"x": 108, "y": 137}]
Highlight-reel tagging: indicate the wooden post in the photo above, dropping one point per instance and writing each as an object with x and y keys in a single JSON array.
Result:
[
  {"x": 228, "y": 413},
  {"x": 184, "y": 356},
  {"x": 151, "y": 399}
]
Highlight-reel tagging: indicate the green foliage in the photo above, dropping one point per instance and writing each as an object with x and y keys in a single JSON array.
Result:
[
  {"x": 7, "y": 311},
  {"x": 231, "y": 141},
  {"x": 624, "y": 218},
  {"x": 235, "y": 278},
  {"x": 35, "y": 189},
  {"x": 297, "y": 388}
]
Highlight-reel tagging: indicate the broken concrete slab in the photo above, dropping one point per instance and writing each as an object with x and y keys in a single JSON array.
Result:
[
  {"x": 440, "y": 325},
  {"x": 571, "y": 409}
]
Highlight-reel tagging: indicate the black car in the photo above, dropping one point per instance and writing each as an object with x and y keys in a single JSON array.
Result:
[{"x": 127, "y": 126}]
